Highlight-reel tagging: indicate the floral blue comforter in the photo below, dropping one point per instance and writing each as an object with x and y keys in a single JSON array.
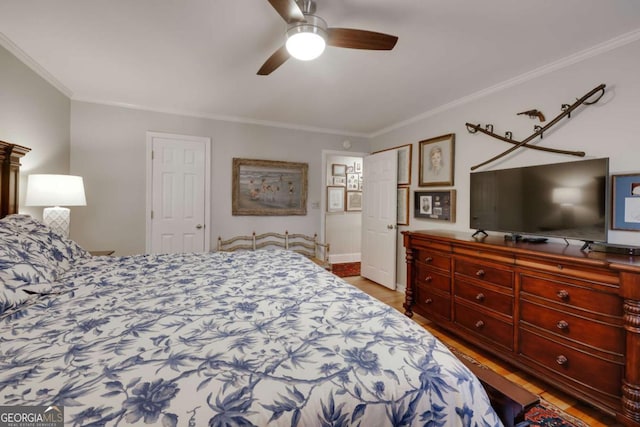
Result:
[{"x": 228, "y": 339}]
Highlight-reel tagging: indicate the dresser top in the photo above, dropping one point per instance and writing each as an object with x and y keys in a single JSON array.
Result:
[{"x": 550, "y": 249}]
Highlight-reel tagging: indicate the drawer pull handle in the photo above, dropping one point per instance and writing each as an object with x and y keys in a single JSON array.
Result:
[
  {"x": 480, "y": 273},
  {"x": 563, "y": 325},
  {"x": 428, "y": 301},
  {"x": 428, "y": 279},
  {"x": 562, "y": 360},
  {"x": 428, "y": 259},
  {"x": 563, "y": 295},
  {"x": 560, "y": 267},
  {"x": 479, "y": 324},
  {"x": 480, "y": 297}
]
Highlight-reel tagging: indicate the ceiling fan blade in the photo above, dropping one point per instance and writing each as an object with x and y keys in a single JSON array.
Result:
[
  {"x": 360, "y": 39},
  {"x": 278, "y": 58},
  {"x": 288, "y": 9}
]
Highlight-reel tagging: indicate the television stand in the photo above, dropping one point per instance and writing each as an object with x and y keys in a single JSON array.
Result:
[
  {"x": 587, "y": 245},
  {"x": 479, "y": 231}
]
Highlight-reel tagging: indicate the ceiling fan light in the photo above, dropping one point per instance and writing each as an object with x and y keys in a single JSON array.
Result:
[
  {"x": 305, "y": 46},
  {"x": 307, "y": 40}
]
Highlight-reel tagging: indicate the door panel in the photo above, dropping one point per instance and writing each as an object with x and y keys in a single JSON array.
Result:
[
  {"x": 379, "y": 218},
  {"x": 179, "y": 194}
]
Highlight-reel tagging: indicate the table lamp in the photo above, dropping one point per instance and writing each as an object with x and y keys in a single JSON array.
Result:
[{"x": 56, "y": 191}]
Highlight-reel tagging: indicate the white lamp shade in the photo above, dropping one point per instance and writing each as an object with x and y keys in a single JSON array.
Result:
[{"x": 55, "y": 190}]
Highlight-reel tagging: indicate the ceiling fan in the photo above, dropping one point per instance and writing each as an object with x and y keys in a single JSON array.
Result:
[{"x": 304, "y": 25}]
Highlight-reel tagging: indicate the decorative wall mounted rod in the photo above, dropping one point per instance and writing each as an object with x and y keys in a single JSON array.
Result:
[
  {"x": 476, "y": 128},
  {"x": 523, "y": 143}
]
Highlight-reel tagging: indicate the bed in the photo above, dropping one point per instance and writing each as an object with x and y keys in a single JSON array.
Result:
[
  {"x": 246, "y": 338},
  {"x": 227, "y": 338}
]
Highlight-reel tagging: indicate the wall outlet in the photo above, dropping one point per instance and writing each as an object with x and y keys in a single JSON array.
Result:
[{"x": 315, "y": 205}]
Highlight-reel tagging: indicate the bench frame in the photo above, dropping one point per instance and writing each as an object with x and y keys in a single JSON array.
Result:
[{"x": 303, "y": 244}]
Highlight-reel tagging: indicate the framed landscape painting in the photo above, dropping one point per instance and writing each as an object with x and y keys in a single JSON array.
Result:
[{"x": 269, "y": 187}]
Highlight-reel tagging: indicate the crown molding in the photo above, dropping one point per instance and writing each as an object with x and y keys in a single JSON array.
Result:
[
  {"x": 223, "y": 118},
  {"x": 8, "y": 44},
  {"x": 583, "y": 55}
]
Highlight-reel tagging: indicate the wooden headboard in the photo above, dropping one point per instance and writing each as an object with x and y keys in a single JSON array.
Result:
[{"x": 10, "y": 155}]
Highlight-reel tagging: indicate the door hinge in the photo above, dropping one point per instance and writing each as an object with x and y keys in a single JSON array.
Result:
[
  {"x": 151, "y": 214},
  {"x": 152, "y": 154}
]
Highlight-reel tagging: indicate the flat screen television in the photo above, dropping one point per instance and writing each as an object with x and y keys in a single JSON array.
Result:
[{"x": 567, "y": 200}]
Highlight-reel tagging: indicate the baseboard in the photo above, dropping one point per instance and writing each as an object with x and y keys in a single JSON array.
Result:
[{"x": 344, "y": 258}]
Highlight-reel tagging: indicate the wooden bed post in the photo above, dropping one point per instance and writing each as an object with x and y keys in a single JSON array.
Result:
[{"x": 10, "y": 155}]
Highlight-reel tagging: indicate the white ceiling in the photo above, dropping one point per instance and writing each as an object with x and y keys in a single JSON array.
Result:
[{"x": 200, "y": 57}]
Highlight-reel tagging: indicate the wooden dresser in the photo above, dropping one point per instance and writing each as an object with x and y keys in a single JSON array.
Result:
[{"x": 566, "y": 316}]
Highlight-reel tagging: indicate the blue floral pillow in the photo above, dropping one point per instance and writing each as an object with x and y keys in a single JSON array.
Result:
[
  {"x": 54, "y": 252},
  {"x": 20, "y": 277}
]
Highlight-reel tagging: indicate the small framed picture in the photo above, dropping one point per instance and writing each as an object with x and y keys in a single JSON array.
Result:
[
  {"x": 437, "y": 161},
  {"x": 437, "y": 205},
  {"x": 353, "y": 181},
  {"x": 626, "y": 202},
  {"x": 335, "y": 198},
  {"x": 402, "y": 218},
  {"x": 339, "y": 180},
  {"x": 354, "y": 200},
  {"x": 338, "y": 170}
]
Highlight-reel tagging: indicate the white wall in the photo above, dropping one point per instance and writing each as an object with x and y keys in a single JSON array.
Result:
[
  {"x": 108, "y": 150},
  {"x": 606, "y": 129},
  {"x": 34, "y": 114}
]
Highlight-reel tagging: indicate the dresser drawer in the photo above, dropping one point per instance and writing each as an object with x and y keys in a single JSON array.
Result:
[
  {"x": 569, "y": 269},
  {"x": 484, "y": 297},
  {"x": 571, "y": 294},
  {"x": 484, "y": 325},
  {"x": 604, "y": 375},
  {"x": 607, "y": 337},
  {"x": 428, "y": 303},
  {"x": 433, "y": 259},
  {"x": 486, "y": 273},
  {"x": 431, "y": 277}
]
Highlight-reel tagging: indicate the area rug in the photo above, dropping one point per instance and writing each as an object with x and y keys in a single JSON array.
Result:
[
  {"x": 347, "y": 269},
  {"x": 544, "y": 414}
]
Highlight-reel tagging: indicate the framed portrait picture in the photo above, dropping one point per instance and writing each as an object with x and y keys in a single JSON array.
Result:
[
  {"x": 625, "y": 214},
  {"x": 437, "y": 159},
  {"x": 438, "y": 205},
  {"x": 354, "y": 200},
  {"x": 268, "y": 187},
  {"x": 402, "y": 217},
  {"x": 338, "y": 170},
  {"x": 335, "y": 198}
]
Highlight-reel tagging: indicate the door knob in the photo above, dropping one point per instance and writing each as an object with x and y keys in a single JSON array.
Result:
[
  {"x": 390, "y": 226},
  {"x": 199, "y": 226}
]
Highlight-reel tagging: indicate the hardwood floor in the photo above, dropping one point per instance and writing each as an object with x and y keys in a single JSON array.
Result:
[{"x": 589, "y": 415}]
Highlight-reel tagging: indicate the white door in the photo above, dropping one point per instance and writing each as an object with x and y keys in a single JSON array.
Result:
[
  {"x": 179, "y": 193},
  {"x": 379, "y": 210}
]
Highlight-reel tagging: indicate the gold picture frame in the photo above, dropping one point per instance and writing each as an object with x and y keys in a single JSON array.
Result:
[
  {"x": 269, "y": 187},
  {"x": 437, "y": 160}
]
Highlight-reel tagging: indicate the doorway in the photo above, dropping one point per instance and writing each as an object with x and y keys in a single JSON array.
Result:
[{"x": 178, "y": 193}]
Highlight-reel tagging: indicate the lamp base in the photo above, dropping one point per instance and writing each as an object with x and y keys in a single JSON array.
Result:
[{"x": 57, "y": 219}]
